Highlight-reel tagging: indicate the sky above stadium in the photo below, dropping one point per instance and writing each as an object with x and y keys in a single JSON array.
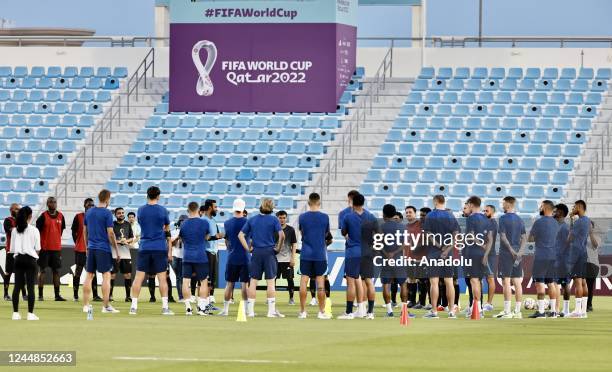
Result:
[{"x": 445, "y": 17}]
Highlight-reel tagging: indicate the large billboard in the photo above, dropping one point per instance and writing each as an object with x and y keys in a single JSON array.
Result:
[{"x": 261, "y": 56}]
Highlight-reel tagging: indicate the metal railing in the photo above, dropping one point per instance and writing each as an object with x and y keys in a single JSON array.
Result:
[
  {"x": 597, "y": 162},
  {"x": 352, "y": 125},
  {"x": 104, "y": 129},
  {"x": 133, "y": 82},
  {"x": 436, "y": 41}
]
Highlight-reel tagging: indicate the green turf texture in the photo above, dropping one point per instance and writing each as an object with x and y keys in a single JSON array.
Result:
[{"x": 291, "y": 344}]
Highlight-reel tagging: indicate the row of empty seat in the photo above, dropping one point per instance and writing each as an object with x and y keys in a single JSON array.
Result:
[
  {"x": 498, "y": 110},
  {"x": 465, "y": 176},
  {"x": 556, "y": 98},
  {"x": 234, "y": 160},
  {"x": 513, "y": 73},
  {"x": 66, "y": 72},
  {"x": 226, "y": 147},
  {"x": 492, "y": 123},
  {"x": 36, "y": 95},
  {"x": 226, "y": 174},
  {"x": 59, "y": 83},
  {"x": 59, "y": 108},
  {"x": 244, "y": 121},
  {"x": 219, "y": 134},
  {"x": 508, "y": 85},
  {"x": 46, "y": 120}
]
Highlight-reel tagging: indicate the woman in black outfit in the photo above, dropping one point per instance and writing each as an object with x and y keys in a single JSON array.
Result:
[{"x": 25, "y": 244}]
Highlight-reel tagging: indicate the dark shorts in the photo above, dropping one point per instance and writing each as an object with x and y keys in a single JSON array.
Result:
[
  {"x": 507, "y": 269},
  {"x": 491, "y": 266},
  {"x": 283, "y": 270},
  {"x": 420, "y": 271},
  {"x": 9, "y": 266},
  {"x": 197, "y": 270},
  {"x": 477, "y": 269},
  {"x": 544, "y": 271},
  {"x": 352, "y": 267},
  {"x": 313, "y": 269},
  {"x": 389, "y": 273},
  {"x": 578, "y": 269},
  {"x": 563, "y": 281},
  {"x": 80, "y": 258},
  {"x": 592, "y": 270},
  {"x": 263, "y": 264},
  {"x": 99, "y": 260},
  {"x": 434, "y": 271},
  {"x": 152, "y": 262},
  {"x": 51, "y": 259},
  {"x": 124, "y": 266},
  {"x": 237, "y": 273},
  {"x": 366, "y": 267}
]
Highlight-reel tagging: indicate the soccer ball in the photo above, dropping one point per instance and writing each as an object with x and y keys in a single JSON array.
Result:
[{"x": 529, "y": 304}]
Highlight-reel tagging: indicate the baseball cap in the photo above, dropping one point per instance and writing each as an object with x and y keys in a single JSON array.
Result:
[{"x": 239, "y": 205}]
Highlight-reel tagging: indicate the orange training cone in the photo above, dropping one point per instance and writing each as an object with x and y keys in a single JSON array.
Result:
[
  {"x": 475, "y": 310},
  {"x": 404, "y": 319}
]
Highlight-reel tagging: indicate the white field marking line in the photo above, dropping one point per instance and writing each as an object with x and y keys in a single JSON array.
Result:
[{"x": 210, "y": 360}]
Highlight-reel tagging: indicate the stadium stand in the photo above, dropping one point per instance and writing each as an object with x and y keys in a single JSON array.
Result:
[
  {"x": 489, "y": 132},
  {"x": 194, "y": 156},
  {"x": 44, "y": 117}
]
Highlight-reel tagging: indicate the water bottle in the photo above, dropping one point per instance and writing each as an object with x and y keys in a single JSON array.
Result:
[{"x": 90, "y": 313}]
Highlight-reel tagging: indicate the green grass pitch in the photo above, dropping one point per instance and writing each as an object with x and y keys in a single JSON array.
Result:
[{"x": 116, "y": 342}]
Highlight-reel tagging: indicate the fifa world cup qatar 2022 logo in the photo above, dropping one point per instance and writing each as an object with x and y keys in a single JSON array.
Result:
[{"x": 204, "y": 86}]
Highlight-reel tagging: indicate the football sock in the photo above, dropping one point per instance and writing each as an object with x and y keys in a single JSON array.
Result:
[
  {"x": 553, "y": 305},
  {"x": 349, "y": 307},
  {"x": 164, "y": 302},
  {"x": 517, "y": 307},
  {"x": 151, "y": 285},
  {"x": 203, "y": 303},
  {"x": 507, "y": 305},
  {"x": 370, "y": 306},
  {"x": 389, "y": 308},
  {"x": 584, "y": 305},
  {"x": 251, "y": 306},
  {"x": 127, "y": 283},
  {"x": 226, "y": 305},
  {"x": 187, "y": 305},
  {"x": 578, "y": 307},
  {"x": 134, "y": 303},
  {"x": 566, "y": 309},
  {"x": 271, "y": 305},
  {"x": 541, "y": 306}
]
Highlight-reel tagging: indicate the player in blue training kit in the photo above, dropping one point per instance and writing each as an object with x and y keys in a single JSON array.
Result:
[
  {"x": 237, "y": 267},
  {"x": 580, "y": 228},
  {"x": 100, "y": 237},
  {"x": 442, "y": 226},
  {"x": 314, "y": 227},
  {"x": 544, "y": 234},
  {"x": 262, "y": 231},
  {"x": 359, "y": 287},
  {"x": 479, "y": 226},
  {"x": 562, "y": 252},
  {"x": 155, "y": 248},
  {"x": 512, "y": 242},
  {"x": 194, "y": 235},
  {"x": 351, "y": 230}
]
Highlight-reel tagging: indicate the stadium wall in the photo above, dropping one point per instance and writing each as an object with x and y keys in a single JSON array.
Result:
[{"x": 406, "y": 61}]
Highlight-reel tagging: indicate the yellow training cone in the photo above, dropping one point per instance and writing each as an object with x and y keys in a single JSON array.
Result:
[{"x": 241, "y": 313}]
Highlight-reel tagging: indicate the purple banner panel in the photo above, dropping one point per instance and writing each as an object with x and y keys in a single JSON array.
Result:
[{"x": 259, "y": 67}]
